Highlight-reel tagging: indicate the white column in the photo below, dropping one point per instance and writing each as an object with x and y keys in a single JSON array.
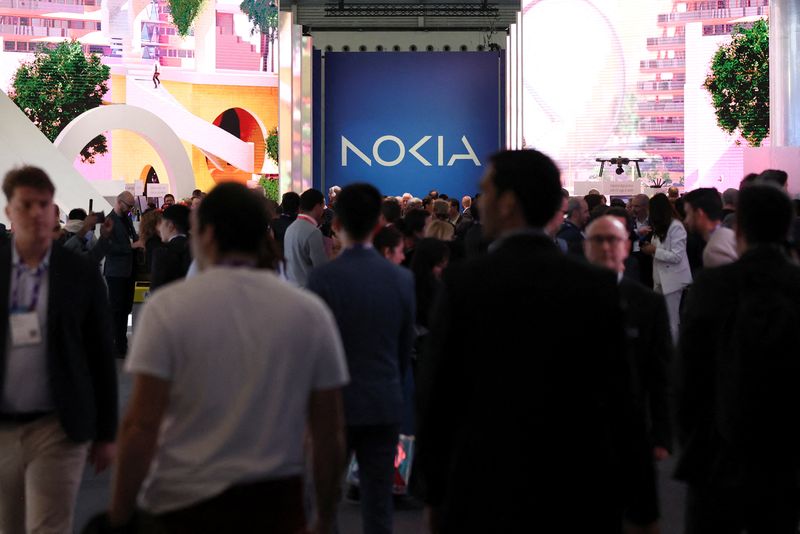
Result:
[{"x": 784, "y": 72}]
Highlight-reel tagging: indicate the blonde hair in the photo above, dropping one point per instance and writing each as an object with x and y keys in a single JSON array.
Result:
[
  {"x": 148, "y": 226},
  {"x": 441, "y": 230}
]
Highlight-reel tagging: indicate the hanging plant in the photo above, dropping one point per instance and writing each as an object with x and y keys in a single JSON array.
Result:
[
  {"x": 184, "y": 13},
  {"x": 270, "y": 187},
  {"x": 272, "y": 145}
]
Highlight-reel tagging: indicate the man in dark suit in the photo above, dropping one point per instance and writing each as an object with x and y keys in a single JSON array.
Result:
[
  {"x": 290, "y": 206},
  {"x": 546, "y": 438},
  {"x": 373, "y": 303},
  {"x": 118, "y": 270},
  {"x": 738, "y": 403},
  {"x": 572, "y": 229},
  {"x": 647, "y": 326},
  {"x": 58, "y": 394},
  {"x": 171, "y": 261}
]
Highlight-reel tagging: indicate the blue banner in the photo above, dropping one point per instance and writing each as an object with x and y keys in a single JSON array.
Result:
[{"x": 412, "y": 121}]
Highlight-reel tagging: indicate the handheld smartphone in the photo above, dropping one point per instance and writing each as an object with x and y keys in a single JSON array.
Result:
[
  {"x": 91, "y": 203},
  {"x": 101, "y": 217}
]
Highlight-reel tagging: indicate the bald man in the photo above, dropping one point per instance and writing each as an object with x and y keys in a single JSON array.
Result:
[
  {"x": 607, "y": 245},
  {"x": 118, "y": 269}
]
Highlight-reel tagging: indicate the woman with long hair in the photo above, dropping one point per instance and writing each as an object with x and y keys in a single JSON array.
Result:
[
  {"x": 671, "y": 270},
  {"x": 389, "y": 243}
]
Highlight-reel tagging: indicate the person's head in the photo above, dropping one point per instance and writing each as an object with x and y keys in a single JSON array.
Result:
[
  {"x": 231, "y": 221},
  {"x": 441, "y": 209},
  {"x": 520, "y": 188},
  {"x": 124, "y": 203},
  {"x": 415, "y": 222},
  {"x": 597, "y": 212},
  {"x": 414, "y": 204},
  {"x": 333, "y": 192},
  {"x": 174, "y": 221},
  {"x": 578, "y": 211},
  {"x": 390, "y": 211},
  {"x": 730, "y": 198},
  {"x": 661, "y": 214},
  {"x": 312, "y": 203},
  {"x": 358, "y": 207},
  {"x": 169, "y": 200},
  {"x": 440, "y": 229},
  {"x": 290, "y": 203},
  {"x": 405, "y": 199},
  {"x": 607, "y": 243},
  {"x": 592, "y": 201},
  {"x": 703, "y": 210},
  {"x": 673, "y": 193},
  {"x": 388, "y": 241},
  {"x": 466, "y": 201},
  {"x": 434, "y": 194},
  {"x": 430, "y": 259},
  {"x": 196, "y": 201},
  {"x": 30, "y": 208},
  {"x": 764, "y": 216},
  {"x": 593, "y": 192},
  {"x": 617, "y": 203},
  {"x": 749, "y": 179},
  {"x": 197, "y": 194},
  {"x": 455, "y": 209},
  {"x": 149, "y": 225},
  {"x": 77, "y": 214},
  {"x": 640, "y": 207},
  {"x": 775, "y": 176}
]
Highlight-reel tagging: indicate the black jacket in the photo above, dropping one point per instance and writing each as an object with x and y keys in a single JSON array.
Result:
[
  {"x": 170, "y": 262},
  {"x": 83, "y": 378},
  {"x": 738, "y": 400},
  {"x": 647, "y": 325},
  {"x": 522, "y": 421}
]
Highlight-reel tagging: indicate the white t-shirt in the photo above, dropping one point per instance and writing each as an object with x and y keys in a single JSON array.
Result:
[{"x": 243, "y": 351}]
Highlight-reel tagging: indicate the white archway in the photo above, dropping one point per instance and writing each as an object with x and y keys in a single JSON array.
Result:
[{"x": 151, "y": 127}]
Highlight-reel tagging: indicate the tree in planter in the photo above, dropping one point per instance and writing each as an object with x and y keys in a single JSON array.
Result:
[
  {"x": 57, "y": 86},
  {"x": 271, "y": 185},
  {"x": 263, "y": 15},
  {"x": 184, "y": 13},
  {"x": 739, "y": 83}
]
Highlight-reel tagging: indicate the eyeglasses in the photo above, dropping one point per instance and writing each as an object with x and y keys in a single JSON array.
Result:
[
  {"x": 600, "y": 239},
  {"x": 129, "y": 206}
]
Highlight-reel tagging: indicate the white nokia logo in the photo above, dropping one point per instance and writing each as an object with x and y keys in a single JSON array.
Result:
[{"x": 347, "y": 145}]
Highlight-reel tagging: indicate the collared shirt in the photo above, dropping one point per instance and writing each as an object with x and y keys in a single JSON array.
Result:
[
  {"x": 26, "y": 381},
  {"x": 171, "y": 239}
]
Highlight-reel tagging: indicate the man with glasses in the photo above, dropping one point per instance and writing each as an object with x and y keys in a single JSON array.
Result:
[
  {"x": 118, "y": 270},
  {"x": 647, "y": 325}
]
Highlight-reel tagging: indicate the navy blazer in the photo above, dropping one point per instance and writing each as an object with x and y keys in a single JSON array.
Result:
[
  {"x": 373, "y": 302},
  {"x": 119, "y": 260},
  {"x": 80, "y": 361}
]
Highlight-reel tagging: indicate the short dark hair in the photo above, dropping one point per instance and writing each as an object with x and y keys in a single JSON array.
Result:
[
  {"x": 764, "y": 214},
  {"x": 454, "y": 203},
  {"x": 27, "y": 176},
  {"x": 617, "y": 203},
  {"x": 77, "y": 214},
  {"x": 620, "y": 212},
  {"x": 593, "y": 200},
  {"x": 391, "y": 210},
  {"x": 238, "y": 216},
  {"x": 178, "y": 215},
  {"x": 312, "y": 198},
  {"x": 387, "y": 237},
  {"x": 533, "y": 179},
  {"x": 415, "y": 221},
  {"x": 358, "y": 207},
  {"x": 775, "y": 176},
  {"x": 169, "y": 195},
  {"x": 290, "y": 203},
  {"x": 197, "y": 194},
  {"x": 706, "y": 199}
]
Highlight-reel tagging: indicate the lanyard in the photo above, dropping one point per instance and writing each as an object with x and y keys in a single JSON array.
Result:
[
  {"x": 308, "y": 219},
  {"x": 37, "y": 286}
]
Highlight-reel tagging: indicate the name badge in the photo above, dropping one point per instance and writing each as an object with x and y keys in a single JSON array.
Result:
[{"x": 25, "y": 329}]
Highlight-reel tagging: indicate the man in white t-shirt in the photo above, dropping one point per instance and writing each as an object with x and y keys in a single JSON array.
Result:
[{"x": 213, "y": 437}]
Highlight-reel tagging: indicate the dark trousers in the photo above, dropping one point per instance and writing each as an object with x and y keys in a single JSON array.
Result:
[
  {"x": 120, "y": 297},
  {"x": 266, "y": 507},
  {"x": 375, "y": 447},
  {"x": 758, "y": 509}
]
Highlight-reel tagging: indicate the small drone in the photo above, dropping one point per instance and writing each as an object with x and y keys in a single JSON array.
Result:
[{"x": 619, "y": 161}]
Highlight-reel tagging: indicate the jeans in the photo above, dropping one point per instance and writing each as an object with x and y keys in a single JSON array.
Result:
[{"x": 375, "y": 447}]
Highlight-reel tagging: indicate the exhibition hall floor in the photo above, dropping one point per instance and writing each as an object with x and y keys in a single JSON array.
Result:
[{"x": 94, "y": 497}]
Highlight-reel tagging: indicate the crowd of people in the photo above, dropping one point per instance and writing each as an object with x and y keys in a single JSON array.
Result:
[{"x": 545, "y": 351}]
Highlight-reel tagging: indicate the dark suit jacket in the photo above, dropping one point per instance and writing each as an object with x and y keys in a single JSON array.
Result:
[
  {"x": 119, "y": 261},
  {"x": 573, "y": 236},
  {"x": 648, "y": 331},
  {"x": 373, "y": 302},
  {"x": 83, "y": 377},
  {"x": 738, "y": 400},
  {"x": 170, "y": 262},
  {"x": 279, "y": 226},
  {"x": 522, "y": 421}
]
